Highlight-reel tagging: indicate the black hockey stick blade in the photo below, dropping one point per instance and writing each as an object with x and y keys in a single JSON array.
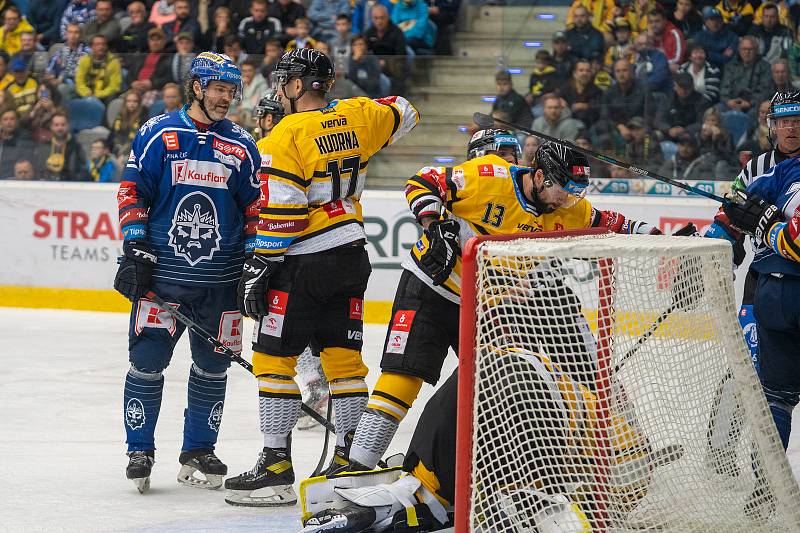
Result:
[
  {"x": 198, "y": 330},
  {"x": 486, "y": 121}
]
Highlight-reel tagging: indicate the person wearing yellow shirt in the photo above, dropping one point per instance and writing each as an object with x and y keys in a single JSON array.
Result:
[
  {"x": 738, "y": 14},
  {"x": 22, "y": 89},
  {"x": 13, "y": 25},
  {"x": 99, "y": 73}
]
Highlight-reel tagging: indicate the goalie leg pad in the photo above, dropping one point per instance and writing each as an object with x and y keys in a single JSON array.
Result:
[{"x": 318, "y": 493}]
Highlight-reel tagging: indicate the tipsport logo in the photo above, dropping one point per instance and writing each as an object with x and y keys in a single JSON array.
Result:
[{"x": 194, "y": 234}]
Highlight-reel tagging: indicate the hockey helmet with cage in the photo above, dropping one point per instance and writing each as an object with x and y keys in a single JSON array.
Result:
[
  {"x": 783, "y": 105},
  {"x": 491, "y": 140},
  {"x": 270, "y": 105},
  {"x": 210, "y": 66},
  {"x": 561, "y": 167}
]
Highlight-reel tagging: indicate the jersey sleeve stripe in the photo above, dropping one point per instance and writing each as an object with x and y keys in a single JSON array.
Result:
[
  {"x": 269, "y": 210},
  {"x": 294, "y": 178},
  {"x": 396, "y": 116}
]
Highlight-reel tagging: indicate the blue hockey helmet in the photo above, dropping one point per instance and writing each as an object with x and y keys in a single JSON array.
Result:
[{"x": 210, "y": 66}]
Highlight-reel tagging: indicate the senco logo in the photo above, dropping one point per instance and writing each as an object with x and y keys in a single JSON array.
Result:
[
  {"x": 200, "y": 173},
  {"x": 229, "y": 149}
]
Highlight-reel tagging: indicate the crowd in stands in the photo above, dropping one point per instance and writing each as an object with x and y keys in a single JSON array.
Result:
[
  {"x": 677, "y": 87},
  {"x": 79, "y": 77}
]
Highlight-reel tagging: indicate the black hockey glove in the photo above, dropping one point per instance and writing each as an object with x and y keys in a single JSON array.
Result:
[
  {"x": 751, "y": 214},
  {"x": 135, "y": 269},
  {"x": 443, "y": 250},
  {"x": 689, "y": 230},
  {"x": 254, "y": 284}
]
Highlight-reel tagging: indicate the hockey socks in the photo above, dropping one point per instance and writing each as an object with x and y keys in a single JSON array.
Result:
[
  {"x": 203, "y": 415},
  {"x": 349, "y": 399},
  {"x": 279, "y": 408},
  {"x": 386, "y": 408},
  {"x": 142, "y": 403}
]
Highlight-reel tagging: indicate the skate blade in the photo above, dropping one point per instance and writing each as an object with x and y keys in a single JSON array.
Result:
[
  {"x": 191, "y": 477},
  {"x": 142, "y": 484},
  {"x": 279, "y": 495}
]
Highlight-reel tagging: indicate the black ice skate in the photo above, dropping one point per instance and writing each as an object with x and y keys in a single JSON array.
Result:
[
  {"x": 268, "y": 484},
  {"x": 140, "y": 464},
  {"x": 204, "y": 462}
]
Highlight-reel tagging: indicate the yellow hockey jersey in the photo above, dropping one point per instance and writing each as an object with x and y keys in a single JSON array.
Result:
[
  {"x": 314, "y": 165},
  {"x": 482, "y": 195}
]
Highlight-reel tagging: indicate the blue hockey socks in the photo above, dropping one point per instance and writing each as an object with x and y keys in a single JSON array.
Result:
[
  {"x": 142, "y": 402},
  {"x": 203, "y": 415}
]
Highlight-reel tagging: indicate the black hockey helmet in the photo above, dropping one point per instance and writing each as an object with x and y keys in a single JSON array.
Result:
[
  {"x": 783, "y": 104},
  {"x": 562, "y": 167},
  {"x": 491, "y": 140},
  {"x": 270, "y": 105},
  {"x": 312, "y": 66}
]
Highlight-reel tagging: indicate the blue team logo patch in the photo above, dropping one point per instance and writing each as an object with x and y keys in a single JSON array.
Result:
[
  {"x": 194, "y": 234},
  {"x": 134, "y": 414},
  {"x": 215, "y": 418}
]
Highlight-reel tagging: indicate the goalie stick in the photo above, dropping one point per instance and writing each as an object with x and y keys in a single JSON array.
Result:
[
  {"x": 233, "y": 356},
  {"x": 485, "y": 121}
]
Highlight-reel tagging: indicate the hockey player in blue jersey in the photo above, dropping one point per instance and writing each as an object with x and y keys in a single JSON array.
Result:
[{"x": 188, "y": 210}]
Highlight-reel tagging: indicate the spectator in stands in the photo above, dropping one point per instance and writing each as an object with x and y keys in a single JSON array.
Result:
[
  {"x": 758, "y": 137},
  {"x": 682, "y": 111},
  {"x": 60, "y": 72},
  {"x": 14, "y": 145},
  {"x": 287, "y": 12},
  {"x": 686, "y": 18},
  {"x": 101, "y": 165},
  {"x": 585, "y": 40},
  {"x": 31, "y": 53},
  {"x": 181, "y": 60},
  {"x": 104, "y": 23},
  {"x": 652, "y": 65},
  {"x": 597, "y": 168},
  {"x": 239, "y": 9},
  {"x": 544, "y": 78},
  {"x": 41, "y": 113},
  {"x": 341, "y": 44},
  {"x": 162, "y": 12},
  {"x": 258, "y": 28},
  {"x": 563, "y": 58},
  {"x": 134, "y": 39},
  {"x": 171, "y": 95},
  {"x": 552, "y": 122},
  {"x": 364, "y": 69},
  {"x": 642, "y": 149},
  {"x": 23, "y": 170},
  {"x": 99, "y": 74},
  {"x": 510, "y": 101},
  {"x": 688, "y": 164},
  {"x": 622, "y": 46},
  {"x": 713, "y": 138},
  {"x": 22, "y": 90},
  {"x": 600, "y": 10},
  {"x": 253, "y": 88},
  {"x": 362, "y": 13},
  {"x": 45, "y": 17},
  {"x": 774, "y": 39},
  {"x": 529, "y": 147},
  {"x": 635, "y": 12},
  {"x": 272, "y": 54},
  {"x": 716, "y": 38},
  {"x": 302, "y": 38},
  {"x": 385, "y": 39},
  {"x": 323, "y": 14},
  {"x": 706, "y": 77},
  {"x": 183, "y": 23},
  {"x": 747, "y": 79},
  {"x": 131, "y": 116},
  {"x": 222, "y": 27},
  {"x": 5, "y": 77},
  {"x": 411, "y": 16},
  {"x": 781, "y": 79},
  {"x": 63, "y": 158},
  {"x": 738, "y": 14},
  {"x": 582, "y": 96},
  {"x": 13, "y": 26},
  {"x": 666, "y": 37},
  {"x": 787, "y": 14},
  {"x": 443, "y": 14},
  {"x": 150, "y": 71},
  {"x": 232, "y": 47},
  {"x": 78, "y": 11},
  {"x": 624, "y": 100}
]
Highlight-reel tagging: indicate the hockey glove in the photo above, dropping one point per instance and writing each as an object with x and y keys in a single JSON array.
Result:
[
  {"x": 135, "y": 269},
  {"x": 443, "y": 250},
  {"x": 254, "y": 284},
  {"x": 689, "y": 230},
  {"x": 751, "y": 214}
]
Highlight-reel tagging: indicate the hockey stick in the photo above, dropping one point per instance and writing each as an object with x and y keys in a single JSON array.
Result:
[
  {"x": 646, "y": 335},
  {"x": 485, "y": 121},
  {"x": 233, "y": 356},
  {"x": 321, "y": 463}
]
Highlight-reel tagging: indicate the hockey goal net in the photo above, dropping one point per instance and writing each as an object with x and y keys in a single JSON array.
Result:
[{"x": 605, "y": 386}]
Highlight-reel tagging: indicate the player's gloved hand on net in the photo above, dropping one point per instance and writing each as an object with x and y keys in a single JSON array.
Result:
[
  {"x": 135, "y": 269},
  {"x": 689, "y": 230},
  {"x": 751, "y": 214},
  {"x": 253, "y": 286},
  {"x": 443, "y": 249}
]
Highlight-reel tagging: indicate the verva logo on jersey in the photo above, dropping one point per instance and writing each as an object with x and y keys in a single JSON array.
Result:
[
  {"x": 230, "y": 331},
  {"x": 356, "y": 309},
  {"x": 398, "y": 335},
  {"x": 200, "y": 173},
  {"x": 150, "y": 315},
  {"x": 272, "y": 324}
]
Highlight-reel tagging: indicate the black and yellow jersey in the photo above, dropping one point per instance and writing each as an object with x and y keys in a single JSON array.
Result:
[
  {"x": 483, "y": 197},
  {"x": 314, "y": 165}
]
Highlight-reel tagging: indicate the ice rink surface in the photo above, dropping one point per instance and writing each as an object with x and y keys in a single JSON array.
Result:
[{"x": 62, "y": 451}]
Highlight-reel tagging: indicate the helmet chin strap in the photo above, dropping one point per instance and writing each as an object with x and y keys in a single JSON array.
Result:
[
  {"x": 202, "y": 103},
  {"x": 292, "y": 101},
  {"x": 535, "y": 202}
]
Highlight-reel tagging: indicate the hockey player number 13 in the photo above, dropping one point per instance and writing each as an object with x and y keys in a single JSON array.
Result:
[
  {"x": 494, "y": 214},
  {"x": 334, "y": 171}
]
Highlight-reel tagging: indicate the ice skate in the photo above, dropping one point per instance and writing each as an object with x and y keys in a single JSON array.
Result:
[
  {"x": 268, "y": 484},
  {"x": 316, "y": 396},
  {"x": 212, "y": 471},
  {"x": 140, "y": 464}
]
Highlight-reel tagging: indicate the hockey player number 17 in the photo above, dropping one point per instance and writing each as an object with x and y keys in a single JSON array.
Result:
[{"x": 334, "y": 171}]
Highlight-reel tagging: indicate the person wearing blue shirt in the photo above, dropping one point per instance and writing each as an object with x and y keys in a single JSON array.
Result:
[
  {"x": 716, "y": 38},
  {"x": 411, "y": 16},
  {"x": 101, "y": 166}
]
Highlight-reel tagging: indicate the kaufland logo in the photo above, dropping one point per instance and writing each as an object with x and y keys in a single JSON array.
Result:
[{"x": 200, "y": 173}]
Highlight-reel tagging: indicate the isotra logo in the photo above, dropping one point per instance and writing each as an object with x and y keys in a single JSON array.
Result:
[{"x": 229, "y": 149}]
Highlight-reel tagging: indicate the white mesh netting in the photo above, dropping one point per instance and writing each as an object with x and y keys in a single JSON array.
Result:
[{"x": 613, "y": 391}]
